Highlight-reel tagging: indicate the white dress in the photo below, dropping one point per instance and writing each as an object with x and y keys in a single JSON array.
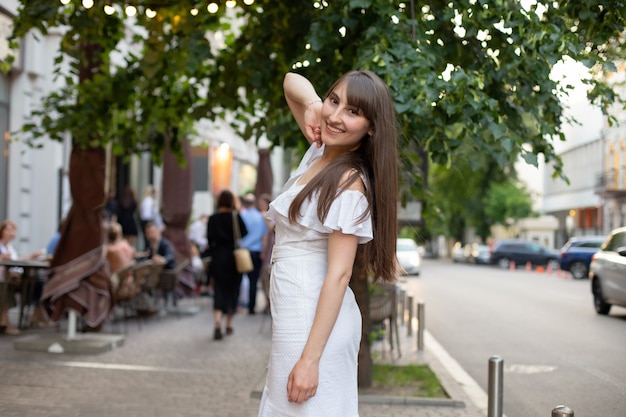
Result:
[{"x": 299, "y": 264}]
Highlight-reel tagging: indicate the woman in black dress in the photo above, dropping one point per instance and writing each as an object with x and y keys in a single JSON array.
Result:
[{"x": 222, "y": 271}]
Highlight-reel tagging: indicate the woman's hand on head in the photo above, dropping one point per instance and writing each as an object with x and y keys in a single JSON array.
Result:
[{"x": 312, "y": 126}]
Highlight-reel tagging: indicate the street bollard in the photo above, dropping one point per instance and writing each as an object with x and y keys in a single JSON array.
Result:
[
  {"x": 421, "y": 325},
  {"x": 409, "y": 328},
  {"x": 494, "y": 400},
  {"x": 402, "y": 296},
  {"x": 562, "y": 411}
]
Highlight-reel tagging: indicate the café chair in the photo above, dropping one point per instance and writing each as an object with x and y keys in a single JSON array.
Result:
[
  {"x": 384, "y": 312},
  {"x": 168, "y": 281},
  {"x": 124, "y": 289}
]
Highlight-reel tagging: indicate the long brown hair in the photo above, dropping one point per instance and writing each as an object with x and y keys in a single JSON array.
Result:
[{"x": 375, "y": 160}]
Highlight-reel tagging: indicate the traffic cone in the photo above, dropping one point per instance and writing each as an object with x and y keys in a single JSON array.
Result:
[
  {"x": 549, "y": 268},
  {"x": 529, "y": 266},
  {"x": 539, "y": 269},
  {"x": 512, "y": 266}
]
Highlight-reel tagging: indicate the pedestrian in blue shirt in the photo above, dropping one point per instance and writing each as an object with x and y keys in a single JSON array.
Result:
[{"x": 253, "y": 241}]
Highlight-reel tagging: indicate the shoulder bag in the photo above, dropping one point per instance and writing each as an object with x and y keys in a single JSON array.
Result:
[{"x": 243, "y": 260}]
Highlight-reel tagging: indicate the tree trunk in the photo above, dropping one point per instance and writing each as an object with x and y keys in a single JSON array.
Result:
[
  {"x": 360, "y": 287},
  {"x": 176, "y": 208},
  {"x": 81, "y": 277}
]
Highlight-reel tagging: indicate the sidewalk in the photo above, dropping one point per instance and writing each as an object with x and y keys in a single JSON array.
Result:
[{"x": 172, "y": 367}]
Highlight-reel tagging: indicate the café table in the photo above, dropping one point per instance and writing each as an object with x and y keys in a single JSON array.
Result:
[{"x": 32, "y": 273}]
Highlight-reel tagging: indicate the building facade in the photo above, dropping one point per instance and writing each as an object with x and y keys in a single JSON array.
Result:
[{"x": 594, "y": 160}]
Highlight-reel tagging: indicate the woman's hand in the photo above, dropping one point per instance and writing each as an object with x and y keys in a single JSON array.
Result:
[
  {"x": 312, "y": 127},
  {"x": 302, "y": 381}
]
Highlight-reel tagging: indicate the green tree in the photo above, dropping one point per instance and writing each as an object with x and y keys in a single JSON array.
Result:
[{"x": 507, "y": 202}]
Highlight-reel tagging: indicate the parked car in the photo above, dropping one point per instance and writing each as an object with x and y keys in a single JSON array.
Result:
[
  {"x": 577, "y": 252},
  {"x": 458, "y": 252},
  {"x": 503, "y": 252},
  {"x": 408, "y": 256},
  {"x": 478, "y": 254},
  {"x": 608, "y": 273}
]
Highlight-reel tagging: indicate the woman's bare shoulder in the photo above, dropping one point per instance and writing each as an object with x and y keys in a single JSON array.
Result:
[{"x": 357, "y": 185}]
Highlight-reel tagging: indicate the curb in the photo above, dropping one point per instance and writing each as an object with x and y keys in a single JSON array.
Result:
[
  {"x": 431, "y": 402},
  {"x": 390, "y": 400}
]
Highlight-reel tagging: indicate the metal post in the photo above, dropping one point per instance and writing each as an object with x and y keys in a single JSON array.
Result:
[
  {"x": 494, "y": 400},
  {"x": 402, "y": 306},
  {"x": 421, "y": 325},
  {"x": 71, "y": 324},
  {"x": 562, "y": 411},
  {"x": 409, "y": 328}
]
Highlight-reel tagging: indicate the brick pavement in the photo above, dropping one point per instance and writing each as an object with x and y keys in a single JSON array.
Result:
[{"x": 172, "y": 367}]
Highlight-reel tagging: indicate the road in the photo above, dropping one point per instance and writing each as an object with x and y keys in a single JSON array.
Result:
[{"x": 556, "y": 349}]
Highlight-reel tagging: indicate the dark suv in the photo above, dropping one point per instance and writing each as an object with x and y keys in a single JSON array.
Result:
[
  {"x": 577, "y": 252},
  {"x": 503, "y": 252}
]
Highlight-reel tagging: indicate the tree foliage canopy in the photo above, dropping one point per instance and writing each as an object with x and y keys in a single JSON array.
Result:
[{"x": 472, "y": 72}]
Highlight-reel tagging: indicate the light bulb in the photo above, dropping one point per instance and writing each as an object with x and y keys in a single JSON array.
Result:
[
  {"x": 150, "y": 13},
  {"x": 87, "y": 4},
  {"x": 212, "y": 8},
  {"x": 130, "y": 11}
]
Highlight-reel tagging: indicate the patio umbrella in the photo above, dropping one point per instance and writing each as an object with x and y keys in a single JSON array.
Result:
[
  {"x": 264, "y": 176},
  {"x": 80, "y": 278}
]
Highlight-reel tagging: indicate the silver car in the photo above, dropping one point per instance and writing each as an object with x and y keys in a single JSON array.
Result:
[
  {"x": 608, "y": 273},
  {"x": 408, "y": 256}
]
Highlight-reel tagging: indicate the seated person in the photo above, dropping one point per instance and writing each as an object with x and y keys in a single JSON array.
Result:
[
  {"x": 8, "y": 231},
  {"x": 159, "y": 248},
  {"x": 119, "y": 252},
  {"x": 54, "y": 240}
]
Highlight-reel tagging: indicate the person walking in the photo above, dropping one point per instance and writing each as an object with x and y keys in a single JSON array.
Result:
[
  {"x": 253, "y": 241},
  {"x": 343, "y": 194},
  {"x": 222, "y": 270}
]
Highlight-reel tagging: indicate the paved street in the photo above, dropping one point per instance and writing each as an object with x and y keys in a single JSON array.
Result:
[
  {"x": 172, "y": 367},
  {"x": 556, "y": 349}
]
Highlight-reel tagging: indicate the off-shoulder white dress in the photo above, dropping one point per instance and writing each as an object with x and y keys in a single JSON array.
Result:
[{"x": 299, "y": 264}]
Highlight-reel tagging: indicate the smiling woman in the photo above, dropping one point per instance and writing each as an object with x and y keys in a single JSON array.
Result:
[{"x": 336, "y": 200}]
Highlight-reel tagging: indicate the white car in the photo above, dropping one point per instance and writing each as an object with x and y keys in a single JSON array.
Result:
[
  {"x": 409, "y": 257},
  {"x": 608, "y": 273}
]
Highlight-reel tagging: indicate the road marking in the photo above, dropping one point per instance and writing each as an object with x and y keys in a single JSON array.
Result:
[
  {"x": 112, "y": 366},
  {"x": 529, "y": 369}
]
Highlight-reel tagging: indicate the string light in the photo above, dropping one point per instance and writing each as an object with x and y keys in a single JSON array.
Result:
[{"x": 131, "y": 11}]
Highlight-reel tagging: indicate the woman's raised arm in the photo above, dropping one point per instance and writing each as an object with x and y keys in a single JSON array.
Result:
[{"x": 305, "y": 105}]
